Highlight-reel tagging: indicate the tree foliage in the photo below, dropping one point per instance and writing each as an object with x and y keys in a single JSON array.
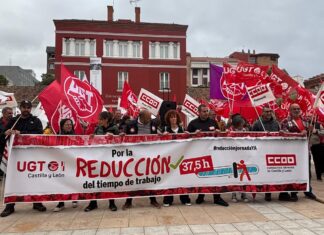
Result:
[
  {"x": 3, "y": 80},
  {"x": 47, "y": 78}
]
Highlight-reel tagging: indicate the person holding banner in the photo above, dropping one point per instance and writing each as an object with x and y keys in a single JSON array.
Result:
[
  {"x": 173, "y": 126},
  {"x": 25, "y": 123},
  {"x": 66, "y": 128},
  {"x": 106, "y": 126},
  {"x": 143, "y": 125},
  {"x": 266, "y": 122},
  {"x": 204, "y": 123},
  {"x": 7, "y": 114},
  {"x": 297, "y": 124}
]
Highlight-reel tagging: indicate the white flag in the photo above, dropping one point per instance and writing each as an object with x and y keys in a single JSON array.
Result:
[
  {"x": 7, "y": 100},
  {"x": 190, "y": 107},
  {"x": 260, "y": 94},
  {"x": 319, "y": 101},
  {"x": 149, "y": 101}
]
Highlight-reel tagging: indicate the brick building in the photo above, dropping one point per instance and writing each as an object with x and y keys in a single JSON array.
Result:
[
  {"x": 147, "y": 55},
  {"x": 253, "y": 58},
  {"x": 314, "y": 83},
  {"x": 50, "y": 59}
]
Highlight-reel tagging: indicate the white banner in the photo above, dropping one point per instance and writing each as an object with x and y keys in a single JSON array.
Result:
[
  {"x": 95, "y": 73},
  {"x": 149, "y": 101},
  {"x": 190, "y": 107},
  {"x": 319, "y": 101},
  {"x": 51, "y": 168}
]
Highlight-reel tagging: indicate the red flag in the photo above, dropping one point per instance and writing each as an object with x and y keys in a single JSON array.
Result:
[
  {"x": 129, "y": 101},
  {"x": 56, "y": 107}
]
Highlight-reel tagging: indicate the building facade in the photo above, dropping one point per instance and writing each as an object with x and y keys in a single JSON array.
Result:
[
  {"x": 314, "y": 83},
  {"x": 147, "y": 55},
  {"x": 50, "y": 53},
  {"x": 18, "y": 76}
]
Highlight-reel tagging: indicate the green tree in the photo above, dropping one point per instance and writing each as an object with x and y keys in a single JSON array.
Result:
[
  {"x": 47, "y": 78},
  {"x": 3, "y": 80}
]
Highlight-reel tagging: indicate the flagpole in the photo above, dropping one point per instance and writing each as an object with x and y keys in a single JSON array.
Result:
[{"x": 255, "y": 109}]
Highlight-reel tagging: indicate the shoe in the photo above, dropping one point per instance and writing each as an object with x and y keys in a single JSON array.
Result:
[
  {"x": 8, "y": 211},
  {"x": 200, "y": 199},
  {"x": 284, "y": 197},
  {"x": 293, "y": 197},
  {"x": 91, "y": 206},
  {"x": 244, "y": 197},
  {"x": 310, "y": 195},
  {"x": 166, "y": 204},
  {"x": 188, "y": 203},
  {"x": 267, "y": 197},
  {"x": 234, "y": 199},
  {"x": 112, "y": 207},
  {"x": 155, "y": 204},
  {"x": 39, "y": 207},
  {"x": 59, "y": 207},
  {"x": 220, "y": 201},
  {"x": 74, "y": 204},
  {"x": 127, "y": 205}
]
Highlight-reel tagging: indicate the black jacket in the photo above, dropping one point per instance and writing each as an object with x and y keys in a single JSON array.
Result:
[
  {"x": 29, "y": 125},
  {"x": 203, "y": 125}
]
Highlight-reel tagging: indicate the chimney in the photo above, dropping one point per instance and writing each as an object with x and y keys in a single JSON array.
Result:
[
  {"x": 110, "y": 13},
  {"x": 137, "y": 15}
]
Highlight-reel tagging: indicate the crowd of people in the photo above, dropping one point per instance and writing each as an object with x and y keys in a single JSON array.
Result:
[{"x": 115, "y": 124}]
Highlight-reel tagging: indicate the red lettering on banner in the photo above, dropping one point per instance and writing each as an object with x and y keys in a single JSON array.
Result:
[
  {"x": 193, "y": 108},
  {"x": 30, "y": 166},
  {"x": 281, "y": 160},
  {"x": 149, "y": 100},
  {"x": 143, "y": 166},
  {"x": 257, "y": 91},
  {"x": 196, "y": 165}
]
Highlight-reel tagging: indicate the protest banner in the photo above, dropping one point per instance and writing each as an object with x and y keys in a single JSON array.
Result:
[{"x": 57, "y": 168}]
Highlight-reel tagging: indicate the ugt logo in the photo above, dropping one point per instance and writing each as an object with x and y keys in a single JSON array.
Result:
[{"x": 81, "y": 97}]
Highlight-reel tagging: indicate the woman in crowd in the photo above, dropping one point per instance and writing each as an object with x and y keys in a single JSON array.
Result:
[
  {"x": 317, "y": 149},
  {"x": 174, "y": 125},
  {"x": 105, "y": 126},
  {"x": 66, "y": 128}
]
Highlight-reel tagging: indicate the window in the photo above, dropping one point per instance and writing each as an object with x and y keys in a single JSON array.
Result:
[
  {"x": 122, "y": 77},
  {"x": 79, "y": 47},
  {"x": 51, "y": 66},
  {"x": 164, "y": 50},
  {"x": 109, "y": 48},
  {"x": 136, "y": 50},
  {"x": 194, "y": 77},
  {"x": 175, "y": 51},
  {"x": 67, "y": 47},
  {"x": 152, "y": 50},
  {"x": 93, "y": 48},
  {"x": 122, "y": 48},
  {"x": 205, "y": 79},
  {"x": 164, "y": 81},
  {"x": 80, "y": 74}
]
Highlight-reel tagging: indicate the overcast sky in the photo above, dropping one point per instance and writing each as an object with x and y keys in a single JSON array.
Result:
[{"x": 292, "y": 28}]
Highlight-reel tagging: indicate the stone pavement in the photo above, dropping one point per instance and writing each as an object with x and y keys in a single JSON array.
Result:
[{"x": 255, "y": 217}]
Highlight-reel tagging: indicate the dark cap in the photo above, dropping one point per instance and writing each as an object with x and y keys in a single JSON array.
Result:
[{"x": 26, "y": 103}]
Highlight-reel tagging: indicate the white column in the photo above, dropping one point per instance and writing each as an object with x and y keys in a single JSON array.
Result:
[
  {"x": 157, "y": 50},
  {"x": 178, "y": 48},
  {"x": 115, "y": 50},
  {"x": 63, "y": 46},
  {"x": 87, "y": 47},
  {"x": 171, "y": 50},
  {"x": 130, "y": 49},
  {"x": 72, "y": 46},
  {"x": 141, "y": 49}
]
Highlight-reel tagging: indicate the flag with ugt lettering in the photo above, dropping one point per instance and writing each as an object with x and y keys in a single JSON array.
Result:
[{"x": 73, "y": 98}]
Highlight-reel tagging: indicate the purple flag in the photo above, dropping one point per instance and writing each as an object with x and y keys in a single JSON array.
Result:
[{"x": 215, "y": 82}]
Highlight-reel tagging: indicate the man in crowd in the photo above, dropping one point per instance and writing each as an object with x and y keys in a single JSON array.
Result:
[
  {"x": 297, "y": 124},
  {"x": 141, "y": 126},
  {"x": 7, "y": 114},
  {"x": 25, "y": 123},
  {"x": 267, "y": 122},
  {"x": 204, "y": 123}
]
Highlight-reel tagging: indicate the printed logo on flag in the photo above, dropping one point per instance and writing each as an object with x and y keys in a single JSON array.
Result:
[
  {"x": 81, "y": 97},
  {"x": 322, "y": 97},
  {"x": 192, "y": 107},
  {"x": 63, "y": 111},
  {"x": 258, "y": 91},
  {"x": 149, "y": 101}
]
